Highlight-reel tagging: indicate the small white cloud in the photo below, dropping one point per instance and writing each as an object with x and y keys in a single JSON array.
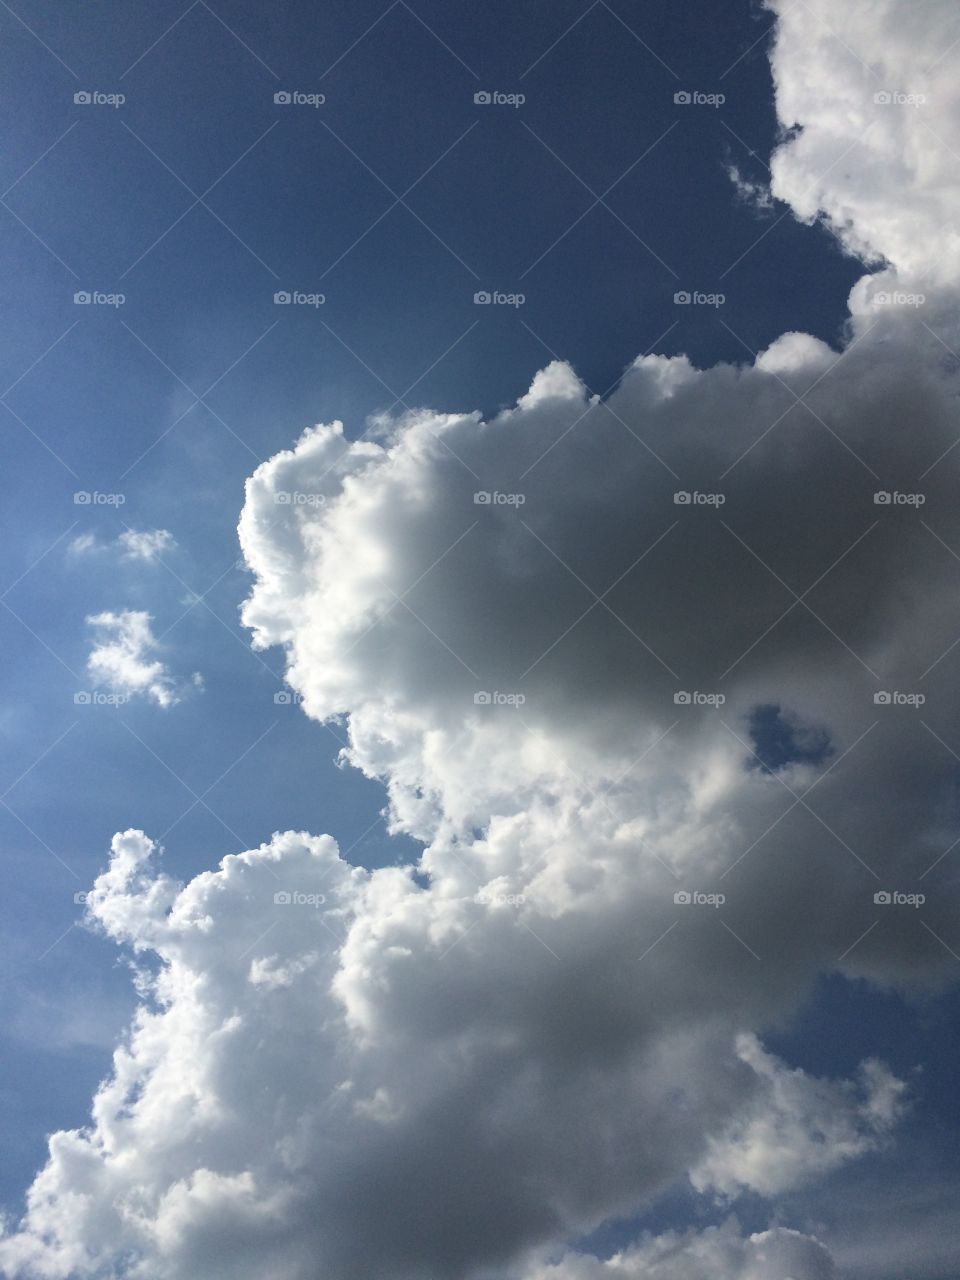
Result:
[
  {"x": 145, "y": 544},
  {"x": 755, "y": 194},
  {"x": 133, "y": 544},
  {"x": 120, "y": 657},
  {"x": 83, "y": 545},
  {"x": 798, "y": 1127}
]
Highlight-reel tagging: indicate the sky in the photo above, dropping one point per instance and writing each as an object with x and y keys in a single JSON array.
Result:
[{"x": 471, "y": 473}]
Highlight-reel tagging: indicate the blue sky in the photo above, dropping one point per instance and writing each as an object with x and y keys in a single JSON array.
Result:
[{"x": 398, "y": 199}]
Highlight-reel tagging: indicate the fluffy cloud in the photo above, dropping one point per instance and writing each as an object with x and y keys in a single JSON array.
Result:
[
  {"x": 644, "y": 675},
  {"x": 121, "y": 657},
  {"x": 874, "y": 98},
  {"x": 601, "y": 600},
  {"x": 297, "y": 1095}
]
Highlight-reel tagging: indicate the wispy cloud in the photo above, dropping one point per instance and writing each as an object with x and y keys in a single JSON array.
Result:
[{"x": 143, "y": 545}]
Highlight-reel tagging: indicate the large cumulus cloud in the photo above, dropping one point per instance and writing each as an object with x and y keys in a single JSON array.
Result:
[
  {"x": 262, "y": 1120},
  {"x": 558, "y": 1014}
]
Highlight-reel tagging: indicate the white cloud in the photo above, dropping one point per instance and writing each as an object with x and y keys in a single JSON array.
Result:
[
  {"x": 313, "y": 1084},
  {"x": 83, "y": 544},
  {"x": 716, "y": 1253},
  {"x": 121, "y": 657},
  {"x": 145, "y": 545},
  {"x": 801, "y": 1128},
  {"x": 400, "y": 598},
  {"x": 755, "y": 194},
  {"x": 416, "y": 1076},
  {"x": 882, "y": 172}
]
